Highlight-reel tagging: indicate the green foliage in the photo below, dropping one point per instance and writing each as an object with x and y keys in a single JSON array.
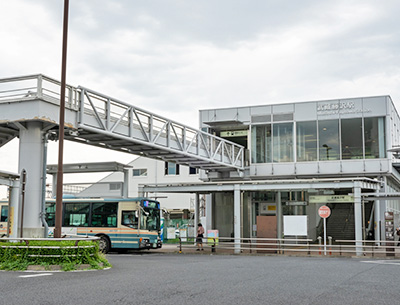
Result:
[{"x": 18, "y": 256}]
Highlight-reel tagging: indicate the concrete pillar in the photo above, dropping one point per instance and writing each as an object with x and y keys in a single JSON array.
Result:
[
  {"x": 13, "y": 224},
  {"x": 377, "y": 220},
  {"x": 140, "y": 191},
  {"x": 237, "y": 217},
  {"x": 358, "y": 217},
  {"x": 381, "y": 209},
  {"x": 125, "y": 186},
  {"x": 196, "y": 211},
  {"x": 209, "y": 211},
  {"x": 31, "y": 159},
  {"x": 279, "y": 217},
  {"x": 54, "y": 185}
]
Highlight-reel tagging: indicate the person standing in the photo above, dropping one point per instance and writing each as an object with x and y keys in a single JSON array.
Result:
[
  {"x": 199, "y": 238},
  {"x": 398, "y": 234}
]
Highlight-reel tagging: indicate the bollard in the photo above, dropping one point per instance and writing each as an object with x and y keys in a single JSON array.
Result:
[
  {"x": 320, "y": 244},
  {"x": 213, "y": 247},
  {"x": 180, "y": 245},
  {"x": 330, "y": 245}
]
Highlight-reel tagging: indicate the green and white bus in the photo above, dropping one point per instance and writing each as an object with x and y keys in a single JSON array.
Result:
[{"x": 121, "y": 224}]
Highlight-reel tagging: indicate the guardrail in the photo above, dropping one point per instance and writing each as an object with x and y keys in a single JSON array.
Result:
[
  {"x": 251, "y": 245},
  {"x": 103, "y": 114},
  {"x": 291, "y": 246},
  {"x": 37, "y": 87}
]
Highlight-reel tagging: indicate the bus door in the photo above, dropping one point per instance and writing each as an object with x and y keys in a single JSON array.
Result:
[{"x": 129, "y": 226}]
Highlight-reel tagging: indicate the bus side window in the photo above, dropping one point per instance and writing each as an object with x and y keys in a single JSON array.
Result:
[
  {"x": 51, "y": 214},
  {"x": 104, "y": 214},
  {"x": 76, "y": 214},
  {"x": 129, "y": 219},
  {"x": 4, "y": 213}
]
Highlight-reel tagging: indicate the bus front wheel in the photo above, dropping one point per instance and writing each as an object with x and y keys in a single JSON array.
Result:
[{"x": 104, "y": 244}]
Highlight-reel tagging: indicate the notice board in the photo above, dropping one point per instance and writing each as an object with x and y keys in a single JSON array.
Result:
[{"x": 295, "y": 225}]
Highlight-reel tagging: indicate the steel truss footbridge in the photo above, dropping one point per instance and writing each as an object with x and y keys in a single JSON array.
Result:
[
  {"x": 29, "y": 110},
  {"x": 100, "y": 120}
]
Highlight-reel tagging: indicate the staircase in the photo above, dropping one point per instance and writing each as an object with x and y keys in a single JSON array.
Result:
[
  {"x": 7, "y": 133},
  {"x": 340, "y": 225}
]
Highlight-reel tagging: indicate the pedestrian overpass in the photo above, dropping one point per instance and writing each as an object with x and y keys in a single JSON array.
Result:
[
  {"x": 100, "y": 120},
  {"x": 29, "y": 109}
]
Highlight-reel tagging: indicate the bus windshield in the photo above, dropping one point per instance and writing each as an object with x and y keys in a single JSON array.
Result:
[{"x": 150, "y": 219}]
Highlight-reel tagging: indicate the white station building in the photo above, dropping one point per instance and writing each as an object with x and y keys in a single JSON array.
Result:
[{"x": 300, "y": 156}]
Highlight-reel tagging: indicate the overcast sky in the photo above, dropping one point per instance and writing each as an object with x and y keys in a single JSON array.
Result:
[{"x": 174, "y": 57}]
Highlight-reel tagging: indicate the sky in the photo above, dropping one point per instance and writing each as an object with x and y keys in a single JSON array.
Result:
[{"x": 175, "y": 57}]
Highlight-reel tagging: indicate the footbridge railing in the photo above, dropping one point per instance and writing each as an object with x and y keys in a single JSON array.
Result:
[
  {"x": 103, "y": 114},
  {"x": 107, "y": 122}
]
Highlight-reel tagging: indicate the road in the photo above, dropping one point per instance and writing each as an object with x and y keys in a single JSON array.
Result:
[{"x": 210, "y": 279}]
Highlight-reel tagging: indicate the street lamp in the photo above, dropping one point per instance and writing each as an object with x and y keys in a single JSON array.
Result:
[{"x": 327, "y": 150}]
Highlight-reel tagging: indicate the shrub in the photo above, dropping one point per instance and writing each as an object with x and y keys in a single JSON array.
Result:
[{"x": 18, "y": 256}]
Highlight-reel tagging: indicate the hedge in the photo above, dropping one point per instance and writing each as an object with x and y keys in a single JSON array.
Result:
[{"x": 19, "y": 255}]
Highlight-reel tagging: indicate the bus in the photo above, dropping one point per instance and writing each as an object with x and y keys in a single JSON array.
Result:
[
  {"x": 3, "y": 218},
  {"x": 121, "y": 223}
]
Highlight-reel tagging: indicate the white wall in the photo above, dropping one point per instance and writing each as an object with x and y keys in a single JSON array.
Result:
[{"x": 155, "y": 175}]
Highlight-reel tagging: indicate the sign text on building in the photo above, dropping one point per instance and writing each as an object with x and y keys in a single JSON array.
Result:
[{"x": 330, "y": 198}]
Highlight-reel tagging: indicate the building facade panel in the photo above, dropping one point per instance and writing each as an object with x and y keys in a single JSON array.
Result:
[{"x": 305, "y": 112}]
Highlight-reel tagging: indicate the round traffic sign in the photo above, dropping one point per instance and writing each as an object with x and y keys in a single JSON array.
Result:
[{"x": 324, "y": 211}]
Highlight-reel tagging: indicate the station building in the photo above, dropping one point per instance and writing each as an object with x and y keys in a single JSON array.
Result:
[{"x": 300, "y": 156}]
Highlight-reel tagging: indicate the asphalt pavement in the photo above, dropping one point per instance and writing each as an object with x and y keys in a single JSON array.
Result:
[{"x": 172, "y": 278}]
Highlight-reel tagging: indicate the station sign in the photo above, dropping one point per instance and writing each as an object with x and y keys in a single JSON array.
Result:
[
  {"x": 234, "y": 133},
  {"x": 330, "y": 199}
]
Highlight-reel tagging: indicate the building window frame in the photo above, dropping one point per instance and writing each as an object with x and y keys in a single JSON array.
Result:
[{"x": 171, "y": 169}]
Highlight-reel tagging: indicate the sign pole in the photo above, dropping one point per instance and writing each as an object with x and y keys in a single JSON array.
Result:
[
  {"x": 324, "y": 212},
  {"x": 324, "y": 236}
]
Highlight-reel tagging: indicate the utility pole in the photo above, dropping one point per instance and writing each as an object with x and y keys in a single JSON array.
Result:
[{"x": 59, "y": 193}]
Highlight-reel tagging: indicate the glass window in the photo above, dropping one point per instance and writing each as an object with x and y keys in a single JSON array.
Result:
[
  {"x": 76, "y": 214},
  {"x": 4, "y": 213},
  {"x": 130, "y": 219},
  {"x": 328, "y": 132},
  {"x": 351, "y": 135},
  {"x": 171, "y": 168},
  {"x": 193, "y": 171},
  {"x": 374, "y": 135},
  {"x": 140, "y": 172},
  {"x": 104, "y": 214},
  {"x": 306, "y": 136},
  {"x": 51, "y": 214},
  {"x": 261, "y": 144},
  {"x": 283, "y": 142},
  {"x": 150, "y": 219},
  {"x": 115, "y": 186}
]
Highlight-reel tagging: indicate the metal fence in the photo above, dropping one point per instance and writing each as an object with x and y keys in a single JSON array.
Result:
[{"x": 291, "y": 246}]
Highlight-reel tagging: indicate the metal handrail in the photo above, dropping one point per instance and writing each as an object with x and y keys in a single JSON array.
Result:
[{"x": 291, "y": 245}]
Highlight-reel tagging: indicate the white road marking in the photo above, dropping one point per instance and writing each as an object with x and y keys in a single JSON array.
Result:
[
  {"x": 383, "y": 262},
  {"x": 35, "y": 275}
]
